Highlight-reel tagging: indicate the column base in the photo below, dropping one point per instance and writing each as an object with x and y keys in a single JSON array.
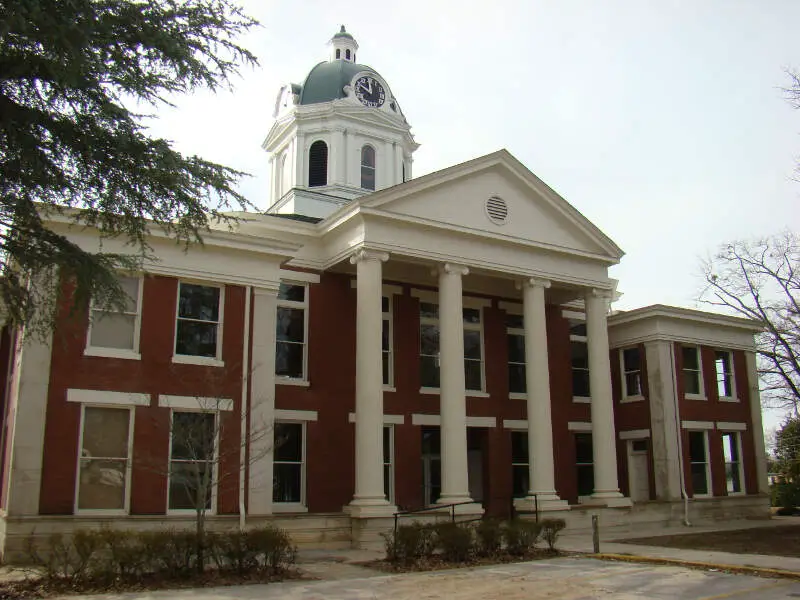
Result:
[
  {"x": 541, "y": 503},
  {"x": 464, "y": 505},
  {"x": 610, "y": 498},
  {"x": 365, "y": 508}
]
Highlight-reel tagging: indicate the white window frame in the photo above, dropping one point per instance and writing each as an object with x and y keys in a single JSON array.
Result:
[
  {"x": 699, "y": 371},
  {"x": 732, "y": 397},
  {"x": 301, "y": 506},
  {"x": 479, "y": 328},
  {"x": 133, "y": 354},
  {"x": 624, "y": 387},
  {"x": 430, "y": 321},
  {"x": 737, "y": 437},
  {"x": 304, "y": 306},
  {"x": 709, "y": 482},
  {"x": 189, "y": 359},
  {"x": 517, "y": 310},
  {"x": 212, "y": 510},
  {"x": 576, "y": 318},
  {"x": 128, "y": 466},
  {"x": 388, "y": 318},
  {"x": 390, "y": 464}
]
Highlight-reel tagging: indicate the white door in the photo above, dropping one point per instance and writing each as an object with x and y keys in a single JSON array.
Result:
[{"x": 638, "y": 470}]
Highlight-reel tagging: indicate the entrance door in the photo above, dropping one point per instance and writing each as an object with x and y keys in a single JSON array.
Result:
[{"x": 638, "y": 470}]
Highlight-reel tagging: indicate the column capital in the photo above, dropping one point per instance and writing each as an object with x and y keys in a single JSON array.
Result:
[
  {"x": 363, "y": 254},
  {"x": 533, "y": 282},
  {"x": 452, "y": 269},
  {"x": 600, "y": 293}
]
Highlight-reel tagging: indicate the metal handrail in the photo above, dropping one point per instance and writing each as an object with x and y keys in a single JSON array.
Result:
[{"x": 439, "y": 507}]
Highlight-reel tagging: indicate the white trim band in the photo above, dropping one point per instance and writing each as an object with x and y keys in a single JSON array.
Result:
[
  {"x": 635, "y": 434},
  {"x": 387, "y": 419},
  {"x": 579, "y": 426},
  {"x": 107, "y": 397},
  {"x": 515, "y": 424},
  {"x": 728, "y": 426},
  {"x": 195, "y": 402},
  {"x": 702, "y": 425},
  {"x": 288, "y": 276},
  {"x": 436, "y": 420},
  {"x": 282, "y": 414}
]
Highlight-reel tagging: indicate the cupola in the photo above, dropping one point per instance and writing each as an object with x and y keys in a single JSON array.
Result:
[{"x": 343, "y": 46}]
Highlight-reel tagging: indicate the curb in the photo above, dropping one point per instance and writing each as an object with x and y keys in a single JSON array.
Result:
[{"x": 750, "y": 570}]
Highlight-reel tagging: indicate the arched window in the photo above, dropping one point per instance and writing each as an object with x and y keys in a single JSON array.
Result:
[
  {"x": 338, "y": 53},
  {"x": 347, "y": 54},
  {"x": 318, "y": 164},
  {"x": 368, "y": 168}
]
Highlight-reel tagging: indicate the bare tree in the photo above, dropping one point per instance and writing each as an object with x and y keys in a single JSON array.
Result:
[{"x": 760, "y": 279}]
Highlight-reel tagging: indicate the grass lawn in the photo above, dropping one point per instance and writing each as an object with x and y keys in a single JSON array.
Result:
[{"x": 776, "y": 541}]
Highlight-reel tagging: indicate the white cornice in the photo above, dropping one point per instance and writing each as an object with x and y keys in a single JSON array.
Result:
[{"x": 684, "y": 314}]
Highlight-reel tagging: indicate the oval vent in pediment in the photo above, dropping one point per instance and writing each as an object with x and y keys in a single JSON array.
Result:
[{"x": 497, "y": 210}]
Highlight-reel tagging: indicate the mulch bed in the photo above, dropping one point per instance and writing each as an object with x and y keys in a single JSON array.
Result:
[
  {"x": 437, "y": 563},
  {"x": 37, "y": 587},
  {"x": 781, "y": 540}
]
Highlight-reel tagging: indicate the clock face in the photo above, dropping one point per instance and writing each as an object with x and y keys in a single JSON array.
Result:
[{"x": 369, "y": 91}]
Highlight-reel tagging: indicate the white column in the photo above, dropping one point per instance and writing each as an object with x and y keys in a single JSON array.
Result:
[
  {"x": 398, "y": 163},
  {"x": 369, "y": 499},
  {"x": 606, "y": 486},
  {"x": 300, "y": 179},
  {"x": 542, "y": 492},
  {"x": 338, "y": 155},
  {"x": 455, "y": 473},
  {"x": 386, "y": 167},
  {"x": 758, "y": 428},
  {"x": 262, "y": 402},
  {"x": 660, "y": 360}
]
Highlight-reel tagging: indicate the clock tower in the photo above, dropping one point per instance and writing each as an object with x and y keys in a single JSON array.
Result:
[{"x": 338, "y": 136}]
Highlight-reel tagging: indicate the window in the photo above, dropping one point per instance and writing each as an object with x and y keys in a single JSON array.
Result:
[
  {"x": 288, "y": 483},
  {"x": 520, "y": 482},
  {"x": 516, "y": 354},
  {"x": 723, "y": 364},
  {"x": 338, "y": 53},
  {"x": 429, "y": 344},
  {"x": 386, "y": 340},
  {"x": 429, "y": 347},
  {"x": 318, "y": 164},
  {"x": 103, "y": 472},
  {"x": 631, "y": 373},
  {"x": 388, "y": 462},
  {"x": 368, "y": 168},
  {"x": 404, "y": 172},
  {"x": 698, "y": 458},
  {"x": 731, "y": 449},
  {"x": 347, "y": 54},
  {"x": 291, "y": 331},
  {"x": 692, "y": 373},
  {"x": 199, "y": 323},
  {"x": 191, "y": 461},
  {"x": 584, "y": 463},
  {"x": 579, "y": 353},
  {"x": 117, "y": 332}
]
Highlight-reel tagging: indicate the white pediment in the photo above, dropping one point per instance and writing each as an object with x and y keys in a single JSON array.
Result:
[{"x": 457, "y": 198}]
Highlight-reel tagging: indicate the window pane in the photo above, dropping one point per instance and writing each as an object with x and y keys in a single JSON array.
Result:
[
  {"x": 472, "y": 315},
  {"x": 472, "y": 344},
  {"x": 429, "y": 371},
  {"x": 387, "y": 444},
  {"x": 387, "y": 482},
  {"x": 102, "y": 484},
  {"x": 431, "y": 440},
  {"x": 429, "y": 310},
  {"x": 699, "y": 482},
  {"x": 290, "y": 326},
  {"x": 368, "y": 178},
  {"x": 386, "y": 357},
  {"x": 130, "y": 285},
  {"x": 519, "y": 447},
  {"x": 186, "y": 485},
  {"x": 288, "y": 442},
  {"x": 580, "y": 383},
  {"x": 631, "y": 359},
  {"x": 112, "y": 330},
  {"x": 429, "y": 339},
  {"x": 196, "y": 339},
  {"x": 585, "y": 480},
  {"x": 385, "y": 335},
  {"x": 105, "y": 432},
  {"x": 472, "y": 375},
  {"x": 639, "y": 445},
  {"x": 579, "y": 329},
  {"x": 580, "y": 355},
  {"x": 722, "y": 364},
  {"x": 295, "y": 293},
  {"x": 193, "y": 436},
  {"x": 691, "y": 382},
  {"x": 583, "y": 448},
  {"x": 286, "y": 484},
  {"x": 289, "y": 359},
  {"x": 516, "y": 348},
  {"x": 516, "y": 379},
  {"x": 514, "y": 321},
  {"x": 697, "y": 446},
  {"x": 633, "y": 383},
  {"x": 519, "y": 483},
  {"x": 690, "y": 357},
  {"x": 385, "y": 304},
  {"x": 199, "y": 302}
]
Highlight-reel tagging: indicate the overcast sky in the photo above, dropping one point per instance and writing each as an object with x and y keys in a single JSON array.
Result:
[{"x": 662, "y": 121}]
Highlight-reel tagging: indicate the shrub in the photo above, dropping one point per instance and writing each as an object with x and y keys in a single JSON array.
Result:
[
  {"x": 521, "y": 536},
  {"x": 232, "y": 550},
  {"x": 455, "y": 540},
  {"x": 60, "y": 558},
  {"x": 169, "y": 552},
  {"x": 410, "y": 543},
  {"x": 273, "y": 547},
  {"x": 550, "y": 531},
  {"x": 122, "y": 555},
  {"x": 489, "y": 537}
]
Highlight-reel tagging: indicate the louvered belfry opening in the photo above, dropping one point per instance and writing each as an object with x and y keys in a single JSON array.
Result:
[
  {"x": 318, "y": 164},
  {"x": 368, "y": 168}
]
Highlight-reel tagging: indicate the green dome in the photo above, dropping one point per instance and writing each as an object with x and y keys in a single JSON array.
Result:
[
  {"x": 326, "y": 81},
  {"x": 342, "y": 34}
]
